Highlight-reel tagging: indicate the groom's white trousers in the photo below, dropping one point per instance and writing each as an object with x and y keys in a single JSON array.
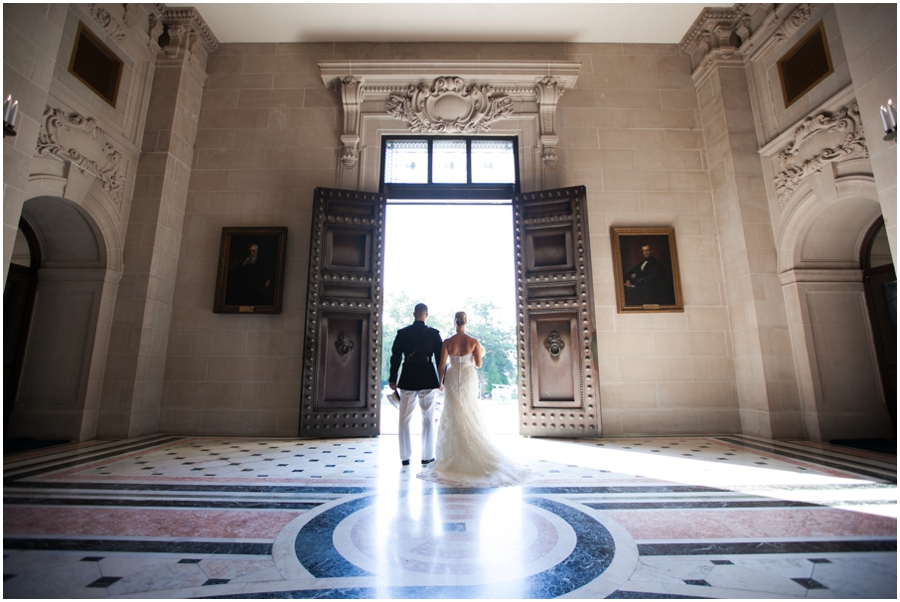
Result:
[{"x": 407, "y": 405}]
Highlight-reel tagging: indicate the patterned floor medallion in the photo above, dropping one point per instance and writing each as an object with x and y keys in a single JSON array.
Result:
[{"x": 168, "y": 516}]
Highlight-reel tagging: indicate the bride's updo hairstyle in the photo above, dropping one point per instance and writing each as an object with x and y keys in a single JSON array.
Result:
[{"x": 460, "y": 319}]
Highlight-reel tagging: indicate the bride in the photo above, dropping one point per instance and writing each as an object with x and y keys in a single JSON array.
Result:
[{"x": 465, "y": 455}]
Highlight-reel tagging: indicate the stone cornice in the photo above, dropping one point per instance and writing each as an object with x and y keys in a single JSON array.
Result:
[
  {"x": 711, "y": 42},
  {"x": 708, "y": 20},
  {"x": 777, "y": 26},
  {"x": 745, "y": 32},
  {"x": 387, "y": 76},
  {"x": 189, "y": 19}
]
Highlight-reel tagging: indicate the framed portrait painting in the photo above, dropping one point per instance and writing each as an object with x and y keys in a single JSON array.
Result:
[
  {"x": 251, "y": 271},
  {"x": 646, "y": 265}
]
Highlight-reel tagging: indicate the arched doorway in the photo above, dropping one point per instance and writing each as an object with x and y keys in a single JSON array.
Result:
[
  {"x": 18, "y": 301},
  {"x": 880, "y": 280},
  {"x": 828, "y": 318},
  {"x": 58, "y": 389}
]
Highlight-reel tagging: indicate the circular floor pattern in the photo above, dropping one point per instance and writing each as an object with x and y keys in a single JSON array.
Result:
[{"x": 455, "y": 544}]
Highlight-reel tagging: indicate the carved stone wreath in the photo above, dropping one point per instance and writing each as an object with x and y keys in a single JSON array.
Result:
[
  {"x": 450, "y": 106},
  {"x": 847, "y": 120},
  {"x": 77, "y": 139}
]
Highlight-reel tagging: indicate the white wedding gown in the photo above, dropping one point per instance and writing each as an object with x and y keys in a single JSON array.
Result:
[{"x": 465, "y": 456}]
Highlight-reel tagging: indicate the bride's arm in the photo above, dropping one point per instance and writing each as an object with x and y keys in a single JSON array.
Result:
[
  {"x": 442, "y": 364},
  {"x": 477, "y": 353}
]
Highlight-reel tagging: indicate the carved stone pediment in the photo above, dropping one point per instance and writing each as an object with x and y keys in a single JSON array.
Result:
[
  {"x": 450, "y": 106},
  {"x": 78, "y": 140},
  {"x": 819, "y": 140},
  {"x": 449, "y": 97}
]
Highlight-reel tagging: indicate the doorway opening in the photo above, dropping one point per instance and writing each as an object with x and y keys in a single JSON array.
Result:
[{"x": 455, "y": 257}]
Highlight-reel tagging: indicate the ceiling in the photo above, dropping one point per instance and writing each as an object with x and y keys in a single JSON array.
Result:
[{"x": 520, "y": 21}]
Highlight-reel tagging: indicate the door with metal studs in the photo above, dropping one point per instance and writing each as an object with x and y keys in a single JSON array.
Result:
[
  {"x": 341, "y": 382},
  {"x": 556, "y": 363}
]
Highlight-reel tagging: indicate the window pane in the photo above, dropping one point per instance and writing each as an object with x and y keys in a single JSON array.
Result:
[
  {"x": 493, "y": 162},
  {"x": 449, "y": 165},
  {"x": 406, "y": 162}
]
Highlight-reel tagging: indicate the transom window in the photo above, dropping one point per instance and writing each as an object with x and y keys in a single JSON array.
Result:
[{"x": 449, "y": 168}]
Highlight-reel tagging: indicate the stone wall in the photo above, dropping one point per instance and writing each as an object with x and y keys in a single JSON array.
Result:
[{"x": 269, "y": 133}]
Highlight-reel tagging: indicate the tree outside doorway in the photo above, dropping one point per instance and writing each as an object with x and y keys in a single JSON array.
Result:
[{"x": 455, "y": 258}]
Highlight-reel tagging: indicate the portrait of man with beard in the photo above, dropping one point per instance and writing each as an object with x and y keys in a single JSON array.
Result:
[
  {"x": 250, "y": 281},
  {"x": 250, "y": 270}
]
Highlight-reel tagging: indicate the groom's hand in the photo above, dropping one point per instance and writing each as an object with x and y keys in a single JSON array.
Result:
[{"x": 393, "y": 386}]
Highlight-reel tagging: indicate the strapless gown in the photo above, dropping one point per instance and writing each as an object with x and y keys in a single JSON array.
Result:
[{"x": 465, "y": 456}]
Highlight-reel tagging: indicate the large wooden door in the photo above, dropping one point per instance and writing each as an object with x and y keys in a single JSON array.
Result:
[
  {"x": 557, "y": 371},
  {"x": 340, "y": 395}
]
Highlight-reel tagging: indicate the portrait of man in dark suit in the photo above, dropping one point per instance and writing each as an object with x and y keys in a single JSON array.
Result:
[
  {"x": 645, "y": 282},
  {"x": 646, "y": 269}
]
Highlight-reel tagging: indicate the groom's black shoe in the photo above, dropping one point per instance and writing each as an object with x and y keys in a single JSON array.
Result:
[
  {"x": 404, "y": 462},
  {"x": 424, "y": 462}
]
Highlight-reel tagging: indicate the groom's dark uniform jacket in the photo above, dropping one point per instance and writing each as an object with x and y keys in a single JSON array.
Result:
[{"x": 416, "y": 345}]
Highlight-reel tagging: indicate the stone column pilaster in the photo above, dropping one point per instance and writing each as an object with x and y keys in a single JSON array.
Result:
[
  {"x": 764, "y": 367},
  {"x": 132, "y": 389}
]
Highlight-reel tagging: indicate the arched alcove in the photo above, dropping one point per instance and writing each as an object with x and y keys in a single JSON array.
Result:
[
  {"x": 65, "y": 355},
  {"x": 834, "y": 353}
]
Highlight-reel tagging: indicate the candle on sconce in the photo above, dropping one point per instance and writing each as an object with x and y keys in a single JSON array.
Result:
[
  {"x": 892, "y": 114},
  {"x": 884, "y": 121},
  {"x": 6, "y": 106},
  {"x": 12, "y": 116}
]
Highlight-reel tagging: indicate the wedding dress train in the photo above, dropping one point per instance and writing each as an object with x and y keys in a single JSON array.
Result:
[{"x": 465, "y": 456}]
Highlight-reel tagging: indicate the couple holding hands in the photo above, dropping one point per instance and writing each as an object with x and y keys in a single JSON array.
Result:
[{"x": 465, "y": 456}]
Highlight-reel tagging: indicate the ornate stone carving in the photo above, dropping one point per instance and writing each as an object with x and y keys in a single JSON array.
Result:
[
  {"x": 154, "y": 31},
  {"x": 105, "y": 20},
  {"x": 846, "y": 121},
  {"x": 344, "y": 344},
  {"x": 711, "y": 40},
  {"x": 798, "y": 17},
  {"x": 775, "y": 28},
  {"x": 554, "y": 344},
  {"x": 450, "y": 106},
  {"x": 353, "y": 91},
  {"x": 188, "y": 32},
  {"x": 77, "y": 139},
  {"x": 129, "y": 17},
  {"x": 698, "y": 36},
  {"x": 548, "y": 92}
]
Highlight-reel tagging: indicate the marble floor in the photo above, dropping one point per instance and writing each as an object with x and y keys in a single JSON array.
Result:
[{"x": 665, "y": 517}]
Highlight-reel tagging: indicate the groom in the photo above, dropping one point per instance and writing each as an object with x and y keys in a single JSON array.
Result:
[{"x": 418, "y": 380}]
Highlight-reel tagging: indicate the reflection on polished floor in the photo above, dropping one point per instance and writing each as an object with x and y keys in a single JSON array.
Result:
[{"x": 697, "y": 517}]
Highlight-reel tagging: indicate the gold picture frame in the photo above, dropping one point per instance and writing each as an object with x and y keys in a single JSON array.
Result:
[
  {"x": 251, "y": 271},
  {"x": 646, "y": 269}
]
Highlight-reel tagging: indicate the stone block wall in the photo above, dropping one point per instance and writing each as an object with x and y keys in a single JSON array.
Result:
[{"x": 269, "y": 133}]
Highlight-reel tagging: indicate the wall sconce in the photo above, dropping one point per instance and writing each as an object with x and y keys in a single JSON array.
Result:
[
  {"x": 889, "y": 119},
  {"x": 10, "y": 110}
]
